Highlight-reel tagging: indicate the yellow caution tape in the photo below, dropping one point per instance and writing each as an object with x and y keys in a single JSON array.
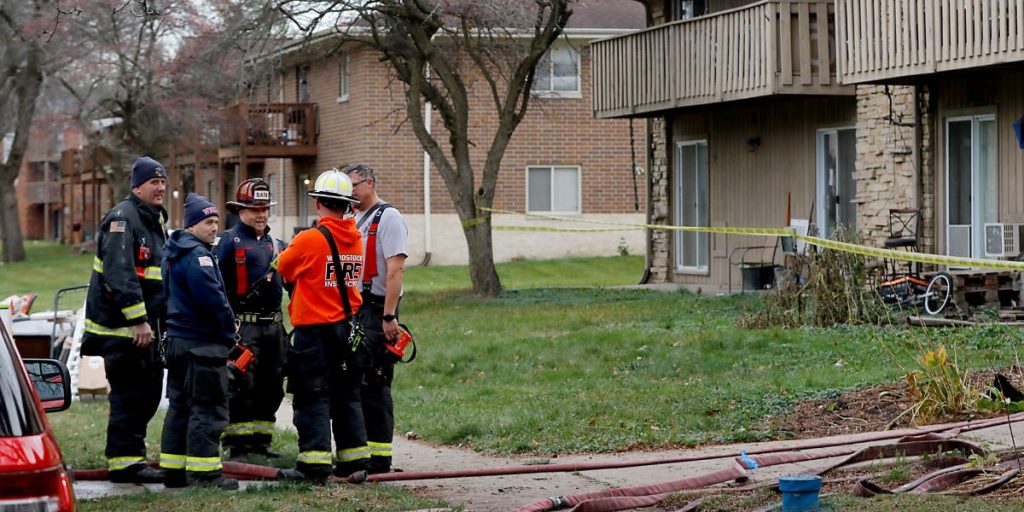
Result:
[
  {"x": 561, "y": 230},
  {"x": 918, "y": 257}
]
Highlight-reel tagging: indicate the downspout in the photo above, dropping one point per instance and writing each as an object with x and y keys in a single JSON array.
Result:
[
  {"x": 648, "y": 187},
  {"x": 916, "y": 151},
  {"x": 426, "y": 187}
]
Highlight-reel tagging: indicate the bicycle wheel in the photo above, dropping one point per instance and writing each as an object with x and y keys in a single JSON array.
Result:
[{"x": 938, "y": 292}]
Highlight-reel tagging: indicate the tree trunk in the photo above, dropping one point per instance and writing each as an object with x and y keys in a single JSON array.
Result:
[
  {"x": 482, "y": 272},
  {"x": 14, "y": 246},
  {"x": 28, "y": 83}
]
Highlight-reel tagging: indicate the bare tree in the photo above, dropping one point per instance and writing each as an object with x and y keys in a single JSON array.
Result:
[
  {"x": 159, "y": 71},
  {"x": 439, "y": 50},
  {"x": 26, "y": 56}
]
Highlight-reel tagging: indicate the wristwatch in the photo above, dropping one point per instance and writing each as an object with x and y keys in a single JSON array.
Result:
[{"x": 387, "y": 318}]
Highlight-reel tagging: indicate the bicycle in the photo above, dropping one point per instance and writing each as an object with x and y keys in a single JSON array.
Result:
[{"x": 911, "y": 290}]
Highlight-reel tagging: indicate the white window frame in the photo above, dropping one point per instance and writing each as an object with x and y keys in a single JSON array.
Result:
[
  {"x": 549, "y": 93},
  {"x": 344, "y": 78},
  {"x": 677, "y": 212},
  {"x": 551, "y": 185},
  {"x": 820, "y": 176}
]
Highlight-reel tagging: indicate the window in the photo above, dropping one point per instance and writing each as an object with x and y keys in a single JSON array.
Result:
[
  {"x": 553, "y": 189},
  {"x": 558, "y": 72},
  {"x": 343, "y": 78},
  {"x": 687, "y": 9},
  {"x": 302, "y": 84},
  {"x": 690, "y": 200}
]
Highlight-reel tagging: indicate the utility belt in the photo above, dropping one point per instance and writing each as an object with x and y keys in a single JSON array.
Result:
[
  {"x": 259, "y": 318},
  {"x": 373, "y": 300}
]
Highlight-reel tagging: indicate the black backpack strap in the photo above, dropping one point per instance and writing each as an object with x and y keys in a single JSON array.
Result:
[{"x": 338, "y": 278}]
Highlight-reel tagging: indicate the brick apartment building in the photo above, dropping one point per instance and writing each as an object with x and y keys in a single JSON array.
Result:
[{"x": 325, "y": 109}]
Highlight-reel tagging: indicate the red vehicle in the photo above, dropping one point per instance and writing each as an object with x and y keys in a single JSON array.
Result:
[{"x": 33, "y": 476}]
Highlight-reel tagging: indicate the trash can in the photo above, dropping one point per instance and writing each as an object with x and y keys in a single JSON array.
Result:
[
  {"x": 757, "y": 276},
  {"x": 800, "y": 493}
]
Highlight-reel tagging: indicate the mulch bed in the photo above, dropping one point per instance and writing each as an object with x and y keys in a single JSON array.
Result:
[{"x": 867, "y": 409}]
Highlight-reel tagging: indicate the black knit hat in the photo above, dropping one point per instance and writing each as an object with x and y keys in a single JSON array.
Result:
[
  {"x": 145, "y": 169},
  {"x": 197, "y": 209}
]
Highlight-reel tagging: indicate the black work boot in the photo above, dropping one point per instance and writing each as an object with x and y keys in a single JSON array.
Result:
[
  {"x": 379, "y": 465},
  {"x": 214, "y": 479},
  {"x": 299, "y": 475},
  {"x": 175, "y": 478},
  {"x": 137, "y": 474},
  {"x": 238, "y": 453}
]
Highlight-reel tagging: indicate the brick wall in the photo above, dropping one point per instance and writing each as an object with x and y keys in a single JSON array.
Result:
[{"x": 371, "y": 126}]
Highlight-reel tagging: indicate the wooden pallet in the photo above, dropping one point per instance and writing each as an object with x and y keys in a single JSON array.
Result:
[{"x": 974, "y": 290}]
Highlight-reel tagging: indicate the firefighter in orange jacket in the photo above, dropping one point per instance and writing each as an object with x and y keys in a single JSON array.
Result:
[{"x": 324, "y": 375}]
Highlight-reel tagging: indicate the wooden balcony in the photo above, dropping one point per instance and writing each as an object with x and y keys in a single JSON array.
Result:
[
  {"x": 886, "y": 40},
  {"x": 40, "y": 192},
  {"x": 767, "y": 48},
  {"x": 269, "y": 130}
]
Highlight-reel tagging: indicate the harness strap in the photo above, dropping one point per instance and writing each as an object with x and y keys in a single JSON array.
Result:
[
  {"x": 370, "y": 261},
  {"x": 241, "y": 275}
]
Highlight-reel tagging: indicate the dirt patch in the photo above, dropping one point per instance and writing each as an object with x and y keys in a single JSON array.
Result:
[{"x": 866, "y": 410}]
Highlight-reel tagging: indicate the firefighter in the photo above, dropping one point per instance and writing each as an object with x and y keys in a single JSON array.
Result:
[
  {"x": 244, "y": 254},
  {"x": 125, "y": 309},
  {"x": 200, "y": 331},
  {"x": 385, "y": 238},
  {"x": 324, "y": 374}
]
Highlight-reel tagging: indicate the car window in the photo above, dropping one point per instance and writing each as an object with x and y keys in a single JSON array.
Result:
[{"x": 18, "y": 414}]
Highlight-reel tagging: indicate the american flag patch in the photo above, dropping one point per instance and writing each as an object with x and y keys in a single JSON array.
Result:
[
  {"x": 118, "y": 226},
  {"x": 205, "y": 261}
]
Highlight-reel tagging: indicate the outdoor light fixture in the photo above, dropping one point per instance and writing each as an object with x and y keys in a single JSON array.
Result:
[
  {"x": 174, "y": 194},
  {"x": 305, "y": 180},
  {"x": 753, "y": 143}
]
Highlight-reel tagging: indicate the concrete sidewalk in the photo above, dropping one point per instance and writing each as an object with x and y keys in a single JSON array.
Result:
[{"x": 510, "y": 492}]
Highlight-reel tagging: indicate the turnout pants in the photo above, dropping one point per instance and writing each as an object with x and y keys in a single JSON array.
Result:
[
  {"x": 197, "y": 388},
  {"x": 254, "y": 401},
  {"x": 136, "y": 379},
  {"x": 378, "y": 408},
  {"x": 325, "y": 382}
]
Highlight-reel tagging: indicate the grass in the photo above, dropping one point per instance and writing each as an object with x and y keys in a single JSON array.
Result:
[
  {"x": 550, "y": 371},
  {"x": 80, "y": 432},
  {"x": 545, "y": 370},
  {"x": 285, "y": 497},
  {"x": 902, "y": 502},
  {"x": 47, "y": 268}
]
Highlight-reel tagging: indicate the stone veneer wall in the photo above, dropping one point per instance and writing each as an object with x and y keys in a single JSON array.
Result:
[
  {"x": 885, "y": 169},
  {"x": 660, "y": 263}
]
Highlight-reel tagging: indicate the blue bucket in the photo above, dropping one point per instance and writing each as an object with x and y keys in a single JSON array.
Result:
[{"x": 800, "y": 493}]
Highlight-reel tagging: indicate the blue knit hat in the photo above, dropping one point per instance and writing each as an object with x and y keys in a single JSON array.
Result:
[
  {"x": 197, "y": 209},
  {"x": 145, "y": 169}
]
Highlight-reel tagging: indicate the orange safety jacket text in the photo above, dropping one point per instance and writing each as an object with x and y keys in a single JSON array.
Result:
[{"x": 307, "y": 264}]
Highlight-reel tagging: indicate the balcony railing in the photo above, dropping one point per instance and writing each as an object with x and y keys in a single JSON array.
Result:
[
  {"x": 889, "y": 39},
  {"x": 270, "y": 130},
  {"x": 770, "y": 47}
]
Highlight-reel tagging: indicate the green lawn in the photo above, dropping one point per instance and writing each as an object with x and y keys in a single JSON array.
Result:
[
  {"x": 551, "y": 371},
  {"x": 544, "y": 370}
]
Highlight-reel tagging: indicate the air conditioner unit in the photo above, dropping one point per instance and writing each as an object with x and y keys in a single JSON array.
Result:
[{"x": 1003, "y": 240}]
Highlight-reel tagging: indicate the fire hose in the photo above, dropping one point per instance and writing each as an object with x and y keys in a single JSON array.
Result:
[{"x": 639, "y": 496}]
